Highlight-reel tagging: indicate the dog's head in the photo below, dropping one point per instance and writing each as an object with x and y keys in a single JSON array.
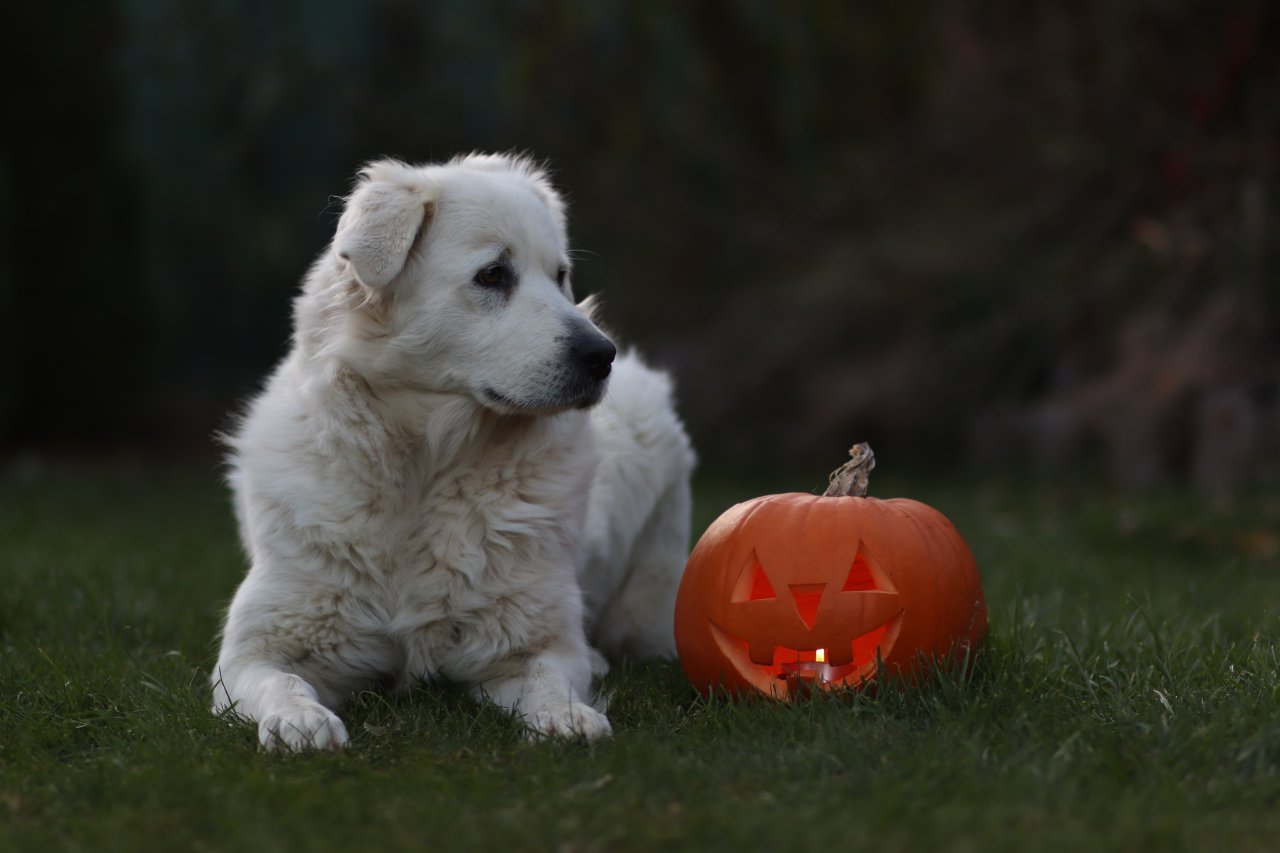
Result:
[{"x": 455, "y": 278}]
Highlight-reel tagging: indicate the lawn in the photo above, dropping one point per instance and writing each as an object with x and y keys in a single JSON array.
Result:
[{"x": 1129, "y": 698}]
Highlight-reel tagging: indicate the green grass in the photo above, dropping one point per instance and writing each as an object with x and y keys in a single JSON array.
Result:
[{"x": 1129, "y": 698}]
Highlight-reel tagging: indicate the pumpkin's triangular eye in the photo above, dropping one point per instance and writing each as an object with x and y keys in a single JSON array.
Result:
[
  {"x": 752, "y": 584},
  {"x": 860, "y": 577}
]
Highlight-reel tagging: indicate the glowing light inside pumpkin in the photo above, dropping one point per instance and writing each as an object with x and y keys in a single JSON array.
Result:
[{"x": 820, "y": 655}]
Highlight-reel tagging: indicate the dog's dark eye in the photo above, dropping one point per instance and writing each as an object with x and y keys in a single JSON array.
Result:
[
  {"x": 561, "y": 275},
  {"x": 497, "y": 276}
]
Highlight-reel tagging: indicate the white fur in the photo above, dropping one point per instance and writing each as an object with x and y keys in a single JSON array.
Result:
[{"x": 423, "y": 489}]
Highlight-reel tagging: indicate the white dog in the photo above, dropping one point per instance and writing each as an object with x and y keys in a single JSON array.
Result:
[{"x": 424, "y": 488}]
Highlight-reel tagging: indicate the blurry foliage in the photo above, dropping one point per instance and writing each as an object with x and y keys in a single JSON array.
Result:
[{"x": 996, "y": 233}]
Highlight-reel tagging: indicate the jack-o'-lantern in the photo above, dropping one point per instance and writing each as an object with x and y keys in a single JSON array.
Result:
[{"x": 786, "y": 593}]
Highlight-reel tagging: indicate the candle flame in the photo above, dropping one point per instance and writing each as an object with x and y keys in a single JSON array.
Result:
[{"x": 820, "y": 655}]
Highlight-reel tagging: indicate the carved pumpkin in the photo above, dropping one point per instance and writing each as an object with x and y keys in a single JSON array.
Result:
[{"x": 789, "y": 592}]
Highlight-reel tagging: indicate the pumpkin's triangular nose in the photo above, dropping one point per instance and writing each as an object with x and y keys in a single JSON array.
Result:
[{"x": 807, "y": 597}]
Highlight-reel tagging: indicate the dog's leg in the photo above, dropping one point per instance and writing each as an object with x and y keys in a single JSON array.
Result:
[
  {"x": 637, "y": 622},
  {"x": 637, "y": 530},
  {"x": 547, "y": 691},
  {"x": 286, "y": 707}
]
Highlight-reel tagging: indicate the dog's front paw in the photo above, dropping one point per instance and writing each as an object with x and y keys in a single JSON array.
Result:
[
  {"x": 570, "y": 719},
  {"x": 299, "y": 727}
]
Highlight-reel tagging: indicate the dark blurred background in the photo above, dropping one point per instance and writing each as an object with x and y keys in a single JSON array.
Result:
[{"x": 1041, "y": 236}]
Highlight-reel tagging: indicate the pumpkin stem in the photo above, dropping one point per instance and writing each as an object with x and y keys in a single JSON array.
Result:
[{"x": 850, "y": 479}]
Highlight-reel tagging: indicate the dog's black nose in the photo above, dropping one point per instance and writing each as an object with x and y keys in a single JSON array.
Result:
[{"x": 595, "y": 353}]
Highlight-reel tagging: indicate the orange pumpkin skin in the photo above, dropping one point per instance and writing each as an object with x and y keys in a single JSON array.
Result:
[{"x": 860, "y": 578}]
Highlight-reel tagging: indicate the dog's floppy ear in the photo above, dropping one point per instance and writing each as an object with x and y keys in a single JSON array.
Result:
[{"x": 382, "y": 221}]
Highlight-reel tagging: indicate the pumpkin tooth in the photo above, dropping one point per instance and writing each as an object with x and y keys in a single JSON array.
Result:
[
  {"x": 840, "y": 654},
  {"x": 761, "y": 651}
]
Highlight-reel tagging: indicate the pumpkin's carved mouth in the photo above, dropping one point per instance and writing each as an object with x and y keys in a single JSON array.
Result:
[{"x": 866, "y": 650}]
